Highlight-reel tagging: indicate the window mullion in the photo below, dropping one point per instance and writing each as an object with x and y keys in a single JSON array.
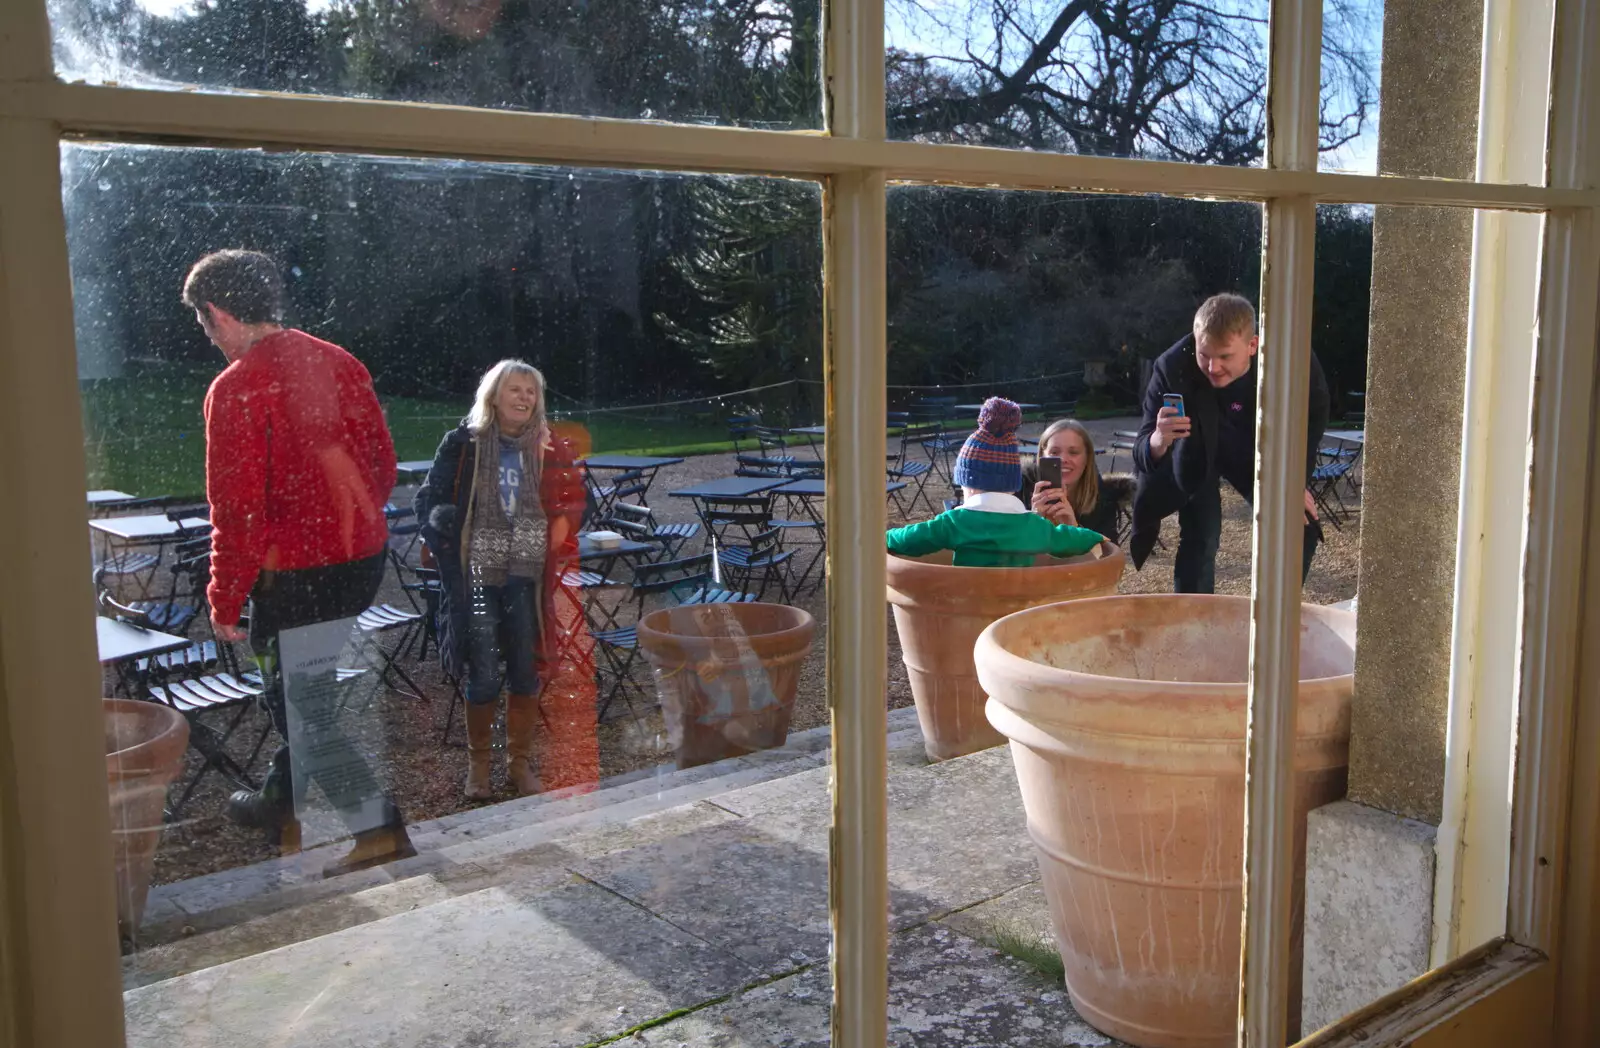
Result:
[
  {"x": 854, "y": 282},
  {"x": 57, "y": 910},
  {"x": 1278, "y": 534}
]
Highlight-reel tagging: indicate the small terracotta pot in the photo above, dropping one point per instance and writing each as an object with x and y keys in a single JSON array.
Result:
[
  {"x": 726, "y": 675},
  {"x": 145, "y": 743},
  {"x": 1126, "y": 717},
  {"x": 939, "y": 610}
]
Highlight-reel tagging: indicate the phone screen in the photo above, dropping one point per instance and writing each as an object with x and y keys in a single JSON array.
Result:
[
  {"x": 1050, "y": 470},
  {"x": 1173, "y": 400}
]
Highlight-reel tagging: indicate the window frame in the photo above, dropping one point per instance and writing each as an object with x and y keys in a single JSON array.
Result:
[{"x": 57, "y": 939}]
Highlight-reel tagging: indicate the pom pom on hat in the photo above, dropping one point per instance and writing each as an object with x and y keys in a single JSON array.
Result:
[
  {"x": 990, "y": 459},
  {"x": 999, "y": 419}
]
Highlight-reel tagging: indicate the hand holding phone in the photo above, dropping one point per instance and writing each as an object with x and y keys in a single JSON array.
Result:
[
  {"x": 1050, "y": 470},
  {"x": 1172, "y": 425}
]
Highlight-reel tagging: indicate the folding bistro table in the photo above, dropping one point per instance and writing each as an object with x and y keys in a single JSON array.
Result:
[{"x": 633, "y": 475}]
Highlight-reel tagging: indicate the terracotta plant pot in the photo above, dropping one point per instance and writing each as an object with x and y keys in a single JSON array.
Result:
[
  {"x": 145, "y": 744},
  {"x": 1126, "y": 717},
  {"x": 726, "y": 674},
  {"x": 939, "y": 610}
]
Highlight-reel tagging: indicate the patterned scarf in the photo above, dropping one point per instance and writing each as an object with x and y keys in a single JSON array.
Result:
[{"x": 499, "y": 547}]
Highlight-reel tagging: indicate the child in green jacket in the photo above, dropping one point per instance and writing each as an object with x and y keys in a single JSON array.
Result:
[{"x": 992, "y": 528}]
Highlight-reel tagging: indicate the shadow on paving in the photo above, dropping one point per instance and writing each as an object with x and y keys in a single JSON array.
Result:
[{"x": 719, "y": 929}]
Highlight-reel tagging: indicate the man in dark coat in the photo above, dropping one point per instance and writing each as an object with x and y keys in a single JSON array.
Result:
[{"x": 1182, "y": 459}]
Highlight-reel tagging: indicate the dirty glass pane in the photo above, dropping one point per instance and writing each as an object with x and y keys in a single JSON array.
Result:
[
  {"x": 1156, "y": 80},
  {"x": 1402, "y": 89},
  {"x": 734, "y": 62},
  {"x": 1062, "y": 872},
  {"x": 628, "y": 598},
  {"x": 1409, "y": 869}
]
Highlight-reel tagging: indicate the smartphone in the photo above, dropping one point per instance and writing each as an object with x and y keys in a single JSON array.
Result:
[
  {"x": 1050, "y": 470},
  {"x": 1173, "y": 400}
]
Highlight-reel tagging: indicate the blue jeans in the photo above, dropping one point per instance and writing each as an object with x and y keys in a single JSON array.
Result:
[{"x": 500, "y": 626}]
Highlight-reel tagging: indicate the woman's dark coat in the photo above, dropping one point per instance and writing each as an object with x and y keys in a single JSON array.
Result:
[{"x": 441, "y": 504}]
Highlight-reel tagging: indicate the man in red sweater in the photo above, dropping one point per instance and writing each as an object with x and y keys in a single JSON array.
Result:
[{"x": 299, "y": 467}]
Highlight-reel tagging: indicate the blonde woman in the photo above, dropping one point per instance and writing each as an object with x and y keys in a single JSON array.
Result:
[
  {"x": 500, "y": 511},
  {"x": 1085, "y": 498}
]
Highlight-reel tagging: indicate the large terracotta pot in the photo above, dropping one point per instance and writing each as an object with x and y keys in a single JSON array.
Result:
[
  {"x": 939, "y": 610},
  {"x": 726, "y": 675},
  {"x": 1126, "y": 717},
  {"x": 145, "y": 743}
]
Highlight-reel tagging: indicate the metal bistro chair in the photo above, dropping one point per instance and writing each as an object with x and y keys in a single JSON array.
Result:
[
  {"x": 744, "y": 544},
  {"x": 137, "y": 564},
  {"x": 199, "y": 682},
  {"x": 682, "y": 582},
  {"x": 175, "y": 608},
  {"x": 914, "y": 470},
  {"x": 775, "y": 445},
  {"x": 1325, "y": 480},
  {"x": 639, "y": 523}
]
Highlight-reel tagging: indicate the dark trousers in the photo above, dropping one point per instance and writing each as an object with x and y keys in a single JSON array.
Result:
[
  {"x": 283, "y": 600},
  {"x": 1194, "y": 568}
]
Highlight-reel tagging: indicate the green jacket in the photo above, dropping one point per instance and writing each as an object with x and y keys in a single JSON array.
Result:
[{"x": 988, "y": 539}]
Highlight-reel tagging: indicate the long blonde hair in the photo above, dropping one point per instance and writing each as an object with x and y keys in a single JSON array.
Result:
[
  {"x": 1085, "y": 494},
  {"x": 482, "y": 418}
]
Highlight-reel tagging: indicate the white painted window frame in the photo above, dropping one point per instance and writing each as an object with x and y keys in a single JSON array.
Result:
[{"x": 56, "y": 914}]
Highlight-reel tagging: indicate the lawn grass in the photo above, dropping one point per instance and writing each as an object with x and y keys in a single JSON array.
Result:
[{"x": 144, "y": 434}]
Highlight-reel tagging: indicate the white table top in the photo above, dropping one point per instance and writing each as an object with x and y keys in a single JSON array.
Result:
[
  {"x": 120, "y": 641},
  {"x": 109, "y": 495},
  {"x": 414, "y": 466},
  {"x": 151, "y": 526},
  {"x": 1354, "y": 436}
]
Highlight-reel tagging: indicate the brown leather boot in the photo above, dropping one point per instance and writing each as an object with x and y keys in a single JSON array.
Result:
[
  {"x": 480, "y": 747},
  {"x": 522, "y": 719}
]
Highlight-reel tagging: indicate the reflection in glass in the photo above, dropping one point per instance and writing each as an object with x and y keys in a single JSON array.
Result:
[
  {"x": 724, "y": 63},
  {"x": 316, "y": 578},
  {"x": 1156, "y": 80}
]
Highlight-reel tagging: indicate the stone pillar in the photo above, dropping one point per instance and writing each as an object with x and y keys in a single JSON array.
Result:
[{"x": 1380, "y": 847}]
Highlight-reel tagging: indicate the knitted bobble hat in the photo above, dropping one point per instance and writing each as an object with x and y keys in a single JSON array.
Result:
[{"x": 989, "y": 460}]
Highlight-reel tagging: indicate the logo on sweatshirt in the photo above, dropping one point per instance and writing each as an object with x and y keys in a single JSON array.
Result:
[{"x": 1236, "y": 406}]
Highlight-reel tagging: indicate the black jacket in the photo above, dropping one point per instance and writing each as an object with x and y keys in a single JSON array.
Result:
[
  {"x": 1103, "y": 518},
  {"x": 1200, "y": 459}
]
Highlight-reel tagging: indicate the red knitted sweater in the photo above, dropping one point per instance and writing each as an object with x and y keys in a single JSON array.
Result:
[{"x": 299, "y": 464}]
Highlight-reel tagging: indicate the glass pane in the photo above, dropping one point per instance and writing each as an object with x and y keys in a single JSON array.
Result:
[
  {"x": 1158, "y": 80},
  {"x": 1086, "y": 871},
  {"x": 642, "y": 582},
  {"x": 1402, "y": 90},
  {"x": 717, "y": 63},
  {"x": 1432, "y": 708}
]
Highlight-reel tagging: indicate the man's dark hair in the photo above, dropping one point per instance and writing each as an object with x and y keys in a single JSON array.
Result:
[{"x": 246, "y": 284}]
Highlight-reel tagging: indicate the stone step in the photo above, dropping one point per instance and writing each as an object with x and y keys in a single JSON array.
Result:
[{"x": 456, "y": 853}]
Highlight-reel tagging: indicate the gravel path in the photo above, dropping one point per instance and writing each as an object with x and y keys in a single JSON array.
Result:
[{"x": 403, "y": 736}]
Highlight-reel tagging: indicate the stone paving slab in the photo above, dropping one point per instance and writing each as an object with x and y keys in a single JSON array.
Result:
[
  {"x": 492, "y": 969},
  {"x": 944, "y": 989},
  {"x": 543, "y": 866},
  {"x": 1023, "y": 910},
  {"x": 957, "y": 832}
]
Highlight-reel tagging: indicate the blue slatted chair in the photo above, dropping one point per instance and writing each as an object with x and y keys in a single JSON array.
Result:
[{"x": 639, "y": 524}]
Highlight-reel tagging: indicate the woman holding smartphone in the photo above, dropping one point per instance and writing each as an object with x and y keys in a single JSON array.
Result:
[{"x": 1083, "y": 497}]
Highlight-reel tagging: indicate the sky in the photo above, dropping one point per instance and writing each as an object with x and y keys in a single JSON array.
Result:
[{"x": 1359, "y": 157}]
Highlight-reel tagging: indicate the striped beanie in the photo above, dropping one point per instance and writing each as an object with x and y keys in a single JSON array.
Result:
[{"x": 989, "y": 460}]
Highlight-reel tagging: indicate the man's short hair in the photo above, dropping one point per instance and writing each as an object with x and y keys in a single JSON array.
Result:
[
  {"x": 246, "y": 284},
  {"x": 1223, "y": 316}
]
